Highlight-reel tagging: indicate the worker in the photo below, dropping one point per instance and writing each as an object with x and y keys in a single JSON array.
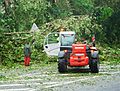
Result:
[{"x": 27, "y": 53}]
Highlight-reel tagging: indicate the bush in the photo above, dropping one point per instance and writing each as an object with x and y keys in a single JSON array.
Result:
[{"x": 110, "y": 55}]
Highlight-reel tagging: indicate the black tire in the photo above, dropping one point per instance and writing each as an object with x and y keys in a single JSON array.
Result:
[
  {"x": 62, "y": 66},
  {"x": 94, "y": 66}
]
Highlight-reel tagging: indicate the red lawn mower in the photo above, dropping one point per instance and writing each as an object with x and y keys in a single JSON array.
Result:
[{"x": 76, "y": 54}]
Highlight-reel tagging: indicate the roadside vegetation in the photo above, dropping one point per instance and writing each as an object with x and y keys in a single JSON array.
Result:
[{"x": 86, "y": 17}]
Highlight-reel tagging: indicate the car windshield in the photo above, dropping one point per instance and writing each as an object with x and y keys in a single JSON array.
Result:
[{"x": 67, "y": 39}]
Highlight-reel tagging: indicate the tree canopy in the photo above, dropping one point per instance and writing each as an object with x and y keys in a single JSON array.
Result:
[{"x": 101, "y": 17}]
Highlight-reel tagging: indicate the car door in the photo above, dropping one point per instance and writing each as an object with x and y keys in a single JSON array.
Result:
[{"x": 51, "y": 44}]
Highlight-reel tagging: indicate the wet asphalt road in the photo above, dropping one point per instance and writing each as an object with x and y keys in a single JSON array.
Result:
[{"x": 47, "y": 78}]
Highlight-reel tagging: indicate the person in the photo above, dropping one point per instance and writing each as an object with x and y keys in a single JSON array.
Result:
[{"x": 27, "y": 53}]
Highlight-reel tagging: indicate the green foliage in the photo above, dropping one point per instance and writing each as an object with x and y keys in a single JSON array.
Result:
[
  {"x": 2, "y": 77},
  {"x": 110, "y": 55},
  {"x": 11, "y": 50},
  {"x": 84, "y": 26},
  {"x": 30, "y": 11},
  {"x": 80, "y": 24},
  {"x": 103, "y": 13},
  {"x": 112, "y": 29},
  {"x": 21, "y": 14},
  {"x": 108, "y": 16},
  {"x": 82, "y": 6},
  {"x": 114, "y": 4},
  {"x": 101, "y": 17},
  {"x": 61, "y": 9}
]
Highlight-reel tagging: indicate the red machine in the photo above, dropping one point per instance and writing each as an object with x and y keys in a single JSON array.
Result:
[{"x": 76, "y": 55}]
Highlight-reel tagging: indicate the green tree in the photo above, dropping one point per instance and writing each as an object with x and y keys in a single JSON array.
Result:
[
  {"x": 82, "y": 6},
  {"x": 107, "y": 13}
]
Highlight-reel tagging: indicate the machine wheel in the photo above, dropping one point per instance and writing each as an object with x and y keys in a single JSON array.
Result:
[
  {"x": 62, "y": 66},
  {"x": 94, "y": 66}
]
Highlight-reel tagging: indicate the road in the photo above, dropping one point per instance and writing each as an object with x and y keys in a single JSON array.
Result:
[{"x": 47, "y": 78}]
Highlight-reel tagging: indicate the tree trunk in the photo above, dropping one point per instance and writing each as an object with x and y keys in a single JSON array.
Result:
[{"x": 6, "y": 5}]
